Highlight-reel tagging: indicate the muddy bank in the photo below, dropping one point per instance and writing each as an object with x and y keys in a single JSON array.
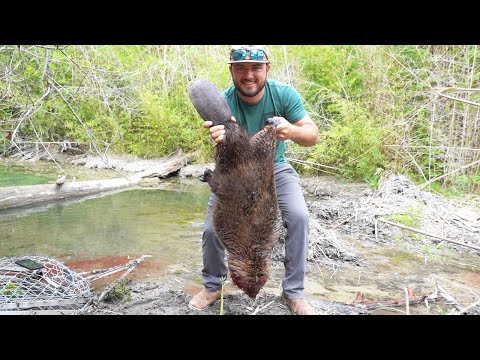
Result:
[
  {"x": 355, "y": 267},
  {"x": 357, "y": 263},
  {"x": 163, "y": 299}
]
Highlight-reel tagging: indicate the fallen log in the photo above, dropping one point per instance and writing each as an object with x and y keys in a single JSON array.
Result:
[
  {"x": 15, "y": 196},
  {"x": 28, "y": 195}
]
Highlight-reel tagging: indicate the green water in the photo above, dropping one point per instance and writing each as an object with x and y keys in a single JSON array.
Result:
[
  {"x": 18, "y": 175},
  {"x": 15, "y": 173},
  {"x": 161, "y": 223}
]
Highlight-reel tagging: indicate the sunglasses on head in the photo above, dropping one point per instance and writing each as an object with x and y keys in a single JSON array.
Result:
[{"x": 255, "y": 54}]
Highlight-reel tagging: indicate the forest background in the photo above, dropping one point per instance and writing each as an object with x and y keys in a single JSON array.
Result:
[{"x": 410, "y": 109}]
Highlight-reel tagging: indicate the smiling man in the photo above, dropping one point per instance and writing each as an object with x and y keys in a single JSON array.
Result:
[{"x": 253, "y": 99}]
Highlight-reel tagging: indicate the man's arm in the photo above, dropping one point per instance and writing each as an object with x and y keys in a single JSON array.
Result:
[{"x": 304, "y": 132}]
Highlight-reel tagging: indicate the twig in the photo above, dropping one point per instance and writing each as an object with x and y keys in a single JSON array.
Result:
[
  {"x": 257, "y": 310},
  {"x": 428, "y": 234},
  {"x": 87, "y": 131},
  {"x": 407, "y": 302},
  {"x": 441, "y": 92},
  {"x": 223, "y": 281},
  {"x": 313, "y": 166},
  {"x": 343, "y": 221},
  {"x": 449, "y": 173},
  {"x": 44, "y": 147},
  {"x": 464, "y": 310},
  {"x": 447, "y": 296},
  {"x": 426, "y": 305}
]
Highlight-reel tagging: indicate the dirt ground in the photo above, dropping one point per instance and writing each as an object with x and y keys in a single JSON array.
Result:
[
  {"x": 161, "y": 299},
  {"x": 364, "y": 264},
  {"x": 330, "y": 202}
]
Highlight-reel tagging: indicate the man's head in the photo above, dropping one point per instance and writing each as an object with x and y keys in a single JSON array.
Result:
[{"x": 249, "y": 66}]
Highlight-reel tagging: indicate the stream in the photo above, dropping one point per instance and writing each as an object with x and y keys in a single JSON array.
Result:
[{"x": 166, "y": 222}]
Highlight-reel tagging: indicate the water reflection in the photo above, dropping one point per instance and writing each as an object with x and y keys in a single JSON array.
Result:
[{"x": 162, "y": 223}]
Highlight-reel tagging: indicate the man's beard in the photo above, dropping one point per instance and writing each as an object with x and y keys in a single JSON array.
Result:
[{"x": 252, "y": 92}]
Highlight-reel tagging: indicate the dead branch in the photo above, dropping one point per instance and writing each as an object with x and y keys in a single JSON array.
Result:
[
  {"x": 407, "y": 304},
  {"x": 428, "y": 234},
  {"x": 87, "y": 130},
  {"x": 409, "y": 299},
  {"x": 441, "y": 92},
  {"x": 258, "y": 309},
  {"x": 449, "y": 298},
  {"x": 449, "y": 173},
  {"x": 471, "y": 306}
]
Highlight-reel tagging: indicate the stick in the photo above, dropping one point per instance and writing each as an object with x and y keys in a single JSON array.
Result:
[
  {"x": 428, "y": 234},
  {"x": 257, "y": 310},
  {"x": 469, "y": 307},
  {"x": 407, "y": 303},
  {"x": 447, "y": 296},
  {"x": 450, "y": 173}
]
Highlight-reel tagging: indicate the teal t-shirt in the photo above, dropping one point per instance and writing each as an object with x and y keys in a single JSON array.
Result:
[{"x": 279, "y": 99}]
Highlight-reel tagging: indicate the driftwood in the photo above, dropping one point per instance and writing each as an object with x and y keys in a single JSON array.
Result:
[
  {"x": 28, "y": 195},
  {"x": 410, "y": 299}
]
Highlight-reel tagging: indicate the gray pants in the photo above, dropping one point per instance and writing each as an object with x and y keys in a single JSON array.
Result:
[{"x": 295, "y": 219}]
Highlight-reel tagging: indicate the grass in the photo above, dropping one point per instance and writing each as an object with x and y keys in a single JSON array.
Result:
[
  {"x": 223, "y": 282},
  {"x": 412, "y": 217},
  {"x": 120, "y": 292}
]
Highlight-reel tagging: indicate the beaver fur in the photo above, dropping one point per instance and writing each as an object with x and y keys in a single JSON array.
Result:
[{"x": 245, "y": 214}]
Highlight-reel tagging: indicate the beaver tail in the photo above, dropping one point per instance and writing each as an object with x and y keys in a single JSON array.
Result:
[{"x": 209, "y": 102}]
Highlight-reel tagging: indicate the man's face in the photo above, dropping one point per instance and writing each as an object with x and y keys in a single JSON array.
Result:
[{"x": 249, "y": 78}]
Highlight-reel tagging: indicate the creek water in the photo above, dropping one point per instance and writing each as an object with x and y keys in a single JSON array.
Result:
[
  {"x": 104, "y": 231},
  {"x": 108, "y": 230}
]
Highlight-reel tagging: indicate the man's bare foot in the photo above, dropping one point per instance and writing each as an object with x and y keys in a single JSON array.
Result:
[
  {"x": 203, "y": 299},
  {"x": 299, "y": 306}
]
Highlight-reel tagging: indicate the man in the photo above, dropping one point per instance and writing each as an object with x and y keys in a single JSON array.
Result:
[{"x": 252, "y": 99}]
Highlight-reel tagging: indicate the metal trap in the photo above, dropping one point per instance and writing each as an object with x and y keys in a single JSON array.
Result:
[{"x": 40, "y": 285}]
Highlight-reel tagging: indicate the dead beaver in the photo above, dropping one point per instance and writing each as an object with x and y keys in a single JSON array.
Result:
[{"x": 245, "y": 214}]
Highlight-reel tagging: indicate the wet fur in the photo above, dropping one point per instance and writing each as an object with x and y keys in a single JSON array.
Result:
[{"x": 245, "y": 214}]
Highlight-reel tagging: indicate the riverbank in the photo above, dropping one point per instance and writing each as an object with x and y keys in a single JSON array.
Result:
[{"x": 358, "y": 263}]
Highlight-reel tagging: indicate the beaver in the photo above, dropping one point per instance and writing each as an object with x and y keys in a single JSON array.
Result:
[{"x": 245, "y": 214}]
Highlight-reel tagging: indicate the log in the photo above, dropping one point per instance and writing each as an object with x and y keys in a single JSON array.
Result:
[
  {"x": 16, "y": 196},
  {"x": 28, "y": 195}
]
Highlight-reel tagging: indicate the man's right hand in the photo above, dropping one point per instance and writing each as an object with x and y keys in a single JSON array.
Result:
[{"x": 216, "y": 132}]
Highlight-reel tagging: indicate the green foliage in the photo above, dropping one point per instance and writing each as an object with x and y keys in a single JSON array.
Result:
[
  {"x": 13, "y": 290},
  {"x": 457, "y": 186},
  {"x": 399, "y": 257},
  {"x": 163, "y": 124},
  {"x": 119, "y": 292},
  {"x": 464, "y": 183},
  {"x": 333, "y": 68},
  {"x": 369, "y": 101},
  {"x": 354, "y": 146},
  {"x": 411, "y": 217}
]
